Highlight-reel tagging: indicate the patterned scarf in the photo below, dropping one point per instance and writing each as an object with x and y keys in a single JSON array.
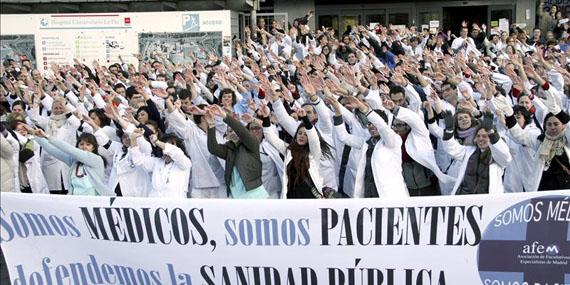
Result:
[{"x": 551, "y": 147}]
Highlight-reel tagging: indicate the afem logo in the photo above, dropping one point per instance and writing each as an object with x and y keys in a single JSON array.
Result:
[
  {"x": 537, "y": 248},
  {"x": 552, "y": 250}
]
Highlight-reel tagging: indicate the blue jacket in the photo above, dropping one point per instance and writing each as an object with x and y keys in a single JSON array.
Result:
[{"x": 70, "y": 155}]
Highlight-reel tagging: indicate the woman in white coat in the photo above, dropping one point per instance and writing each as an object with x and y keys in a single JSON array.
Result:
[
  {"x": 170, "y": 173},
  {"x": 520, "y": 172},
  {"x": 301, "y": 178},
  {"x": 32, "y": 179},
  {"x": 551, "y": 162},
  {"x": 379, "y": 172},
  {"x": 126, "y": 178},
  {"x": 482, "y": 165}
]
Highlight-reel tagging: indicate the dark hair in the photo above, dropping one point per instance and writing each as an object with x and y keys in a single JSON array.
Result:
[
  {"x": 19, "y": 102},
  {"x": 300, "y": 157},
  {"x": 397, "y": 89},
  {"x": 143, "y": 109},
  {"x": 168, "y": 138},
  {"x": 105, "y": 121},
  {"x": 524, "y": 112},
  {"x": 155, "y": 125},
  {"x": 129, "y": 92},
  {"x": 228, "y": 91},
  {"x": 185, "y": 94},
  {"x": 119, "y": 85},
  {"x": 90, "y": 138}
]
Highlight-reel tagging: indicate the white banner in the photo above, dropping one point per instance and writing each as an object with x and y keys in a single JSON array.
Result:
[{"x": 476, "y": 239}]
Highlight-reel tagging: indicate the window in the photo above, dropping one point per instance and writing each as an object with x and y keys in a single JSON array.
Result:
[
  {"x": 502, "y": 14},
  {"x": 425, "y": 17},
  {"x": 352, "y": 21},
  {"x": 376, "y": 18},
  {"x": 398, "y": 19},
  {"x": 328, "y": 21}
]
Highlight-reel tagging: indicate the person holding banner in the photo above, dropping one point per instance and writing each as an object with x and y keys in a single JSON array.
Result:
[
  {"x": 241, "y": 153},
  {"x": 86, "y": 174}
]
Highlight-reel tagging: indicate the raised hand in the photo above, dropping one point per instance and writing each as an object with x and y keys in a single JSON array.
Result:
[
  {"x": 137, "y": 133},
  {"x": 263, "y": 110},
  {"x": 216, "y": 110},
  {"x": 487, "y": 121},
  {"x": 40, "y": 133},
  {"x": 449, "y": 120},
  {"x": 330, "y": 100},
  {"x": 208, "y": 117},
  {"x": 158, "y": 92},
  {"x": 308, "y": 86},
  {"x": 251, "y": 104},
  {"x": 247, "y": 118},
  {"x": 194, "y": 110},
  {"x": 301, "y": 113}
]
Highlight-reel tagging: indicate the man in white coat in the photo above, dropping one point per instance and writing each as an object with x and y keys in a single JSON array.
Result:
[{"x": 206, "y": 181}]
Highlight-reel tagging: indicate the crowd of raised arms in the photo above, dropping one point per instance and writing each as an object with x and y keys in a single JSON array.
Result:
[{"x": 300, "y": 113}]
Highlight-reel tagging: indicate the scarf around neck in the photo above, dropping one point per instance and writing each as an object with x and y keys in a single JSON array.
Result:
[
  {"x": 466, "y": 135},
  {"x": 55, "y": 122},
  {"x": 551, "y": 147}
]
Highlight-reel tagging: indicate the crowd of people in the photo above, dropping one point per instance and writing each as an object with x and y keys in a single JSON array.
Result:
[{"x": 300, "y": 113}]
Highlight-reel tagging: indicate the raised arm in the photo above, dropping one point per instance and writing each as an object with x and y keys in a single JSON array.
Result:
[
  {"x": 450, "y": 144},
  {"x": 85, "y": 157},
  {"x": 269, "y": 133},
  {"x": 215, "y": 148},
  {"x": 286, "y": 121},
  {"x": 249, "y": 141}
]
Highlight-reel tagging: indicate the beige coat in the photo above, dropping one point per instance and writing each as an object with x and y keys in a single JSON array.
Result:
[{"x": 6, "y": 166}]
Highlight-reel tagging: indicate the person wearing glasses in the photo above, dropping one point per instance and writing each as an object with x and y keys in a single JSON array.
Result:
[
  {"x": 86, "y": 174},
  {"x": 419, "y": 167},
  {"x": 271, "y": 161},
  {"x": 241, "y": 153}
]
